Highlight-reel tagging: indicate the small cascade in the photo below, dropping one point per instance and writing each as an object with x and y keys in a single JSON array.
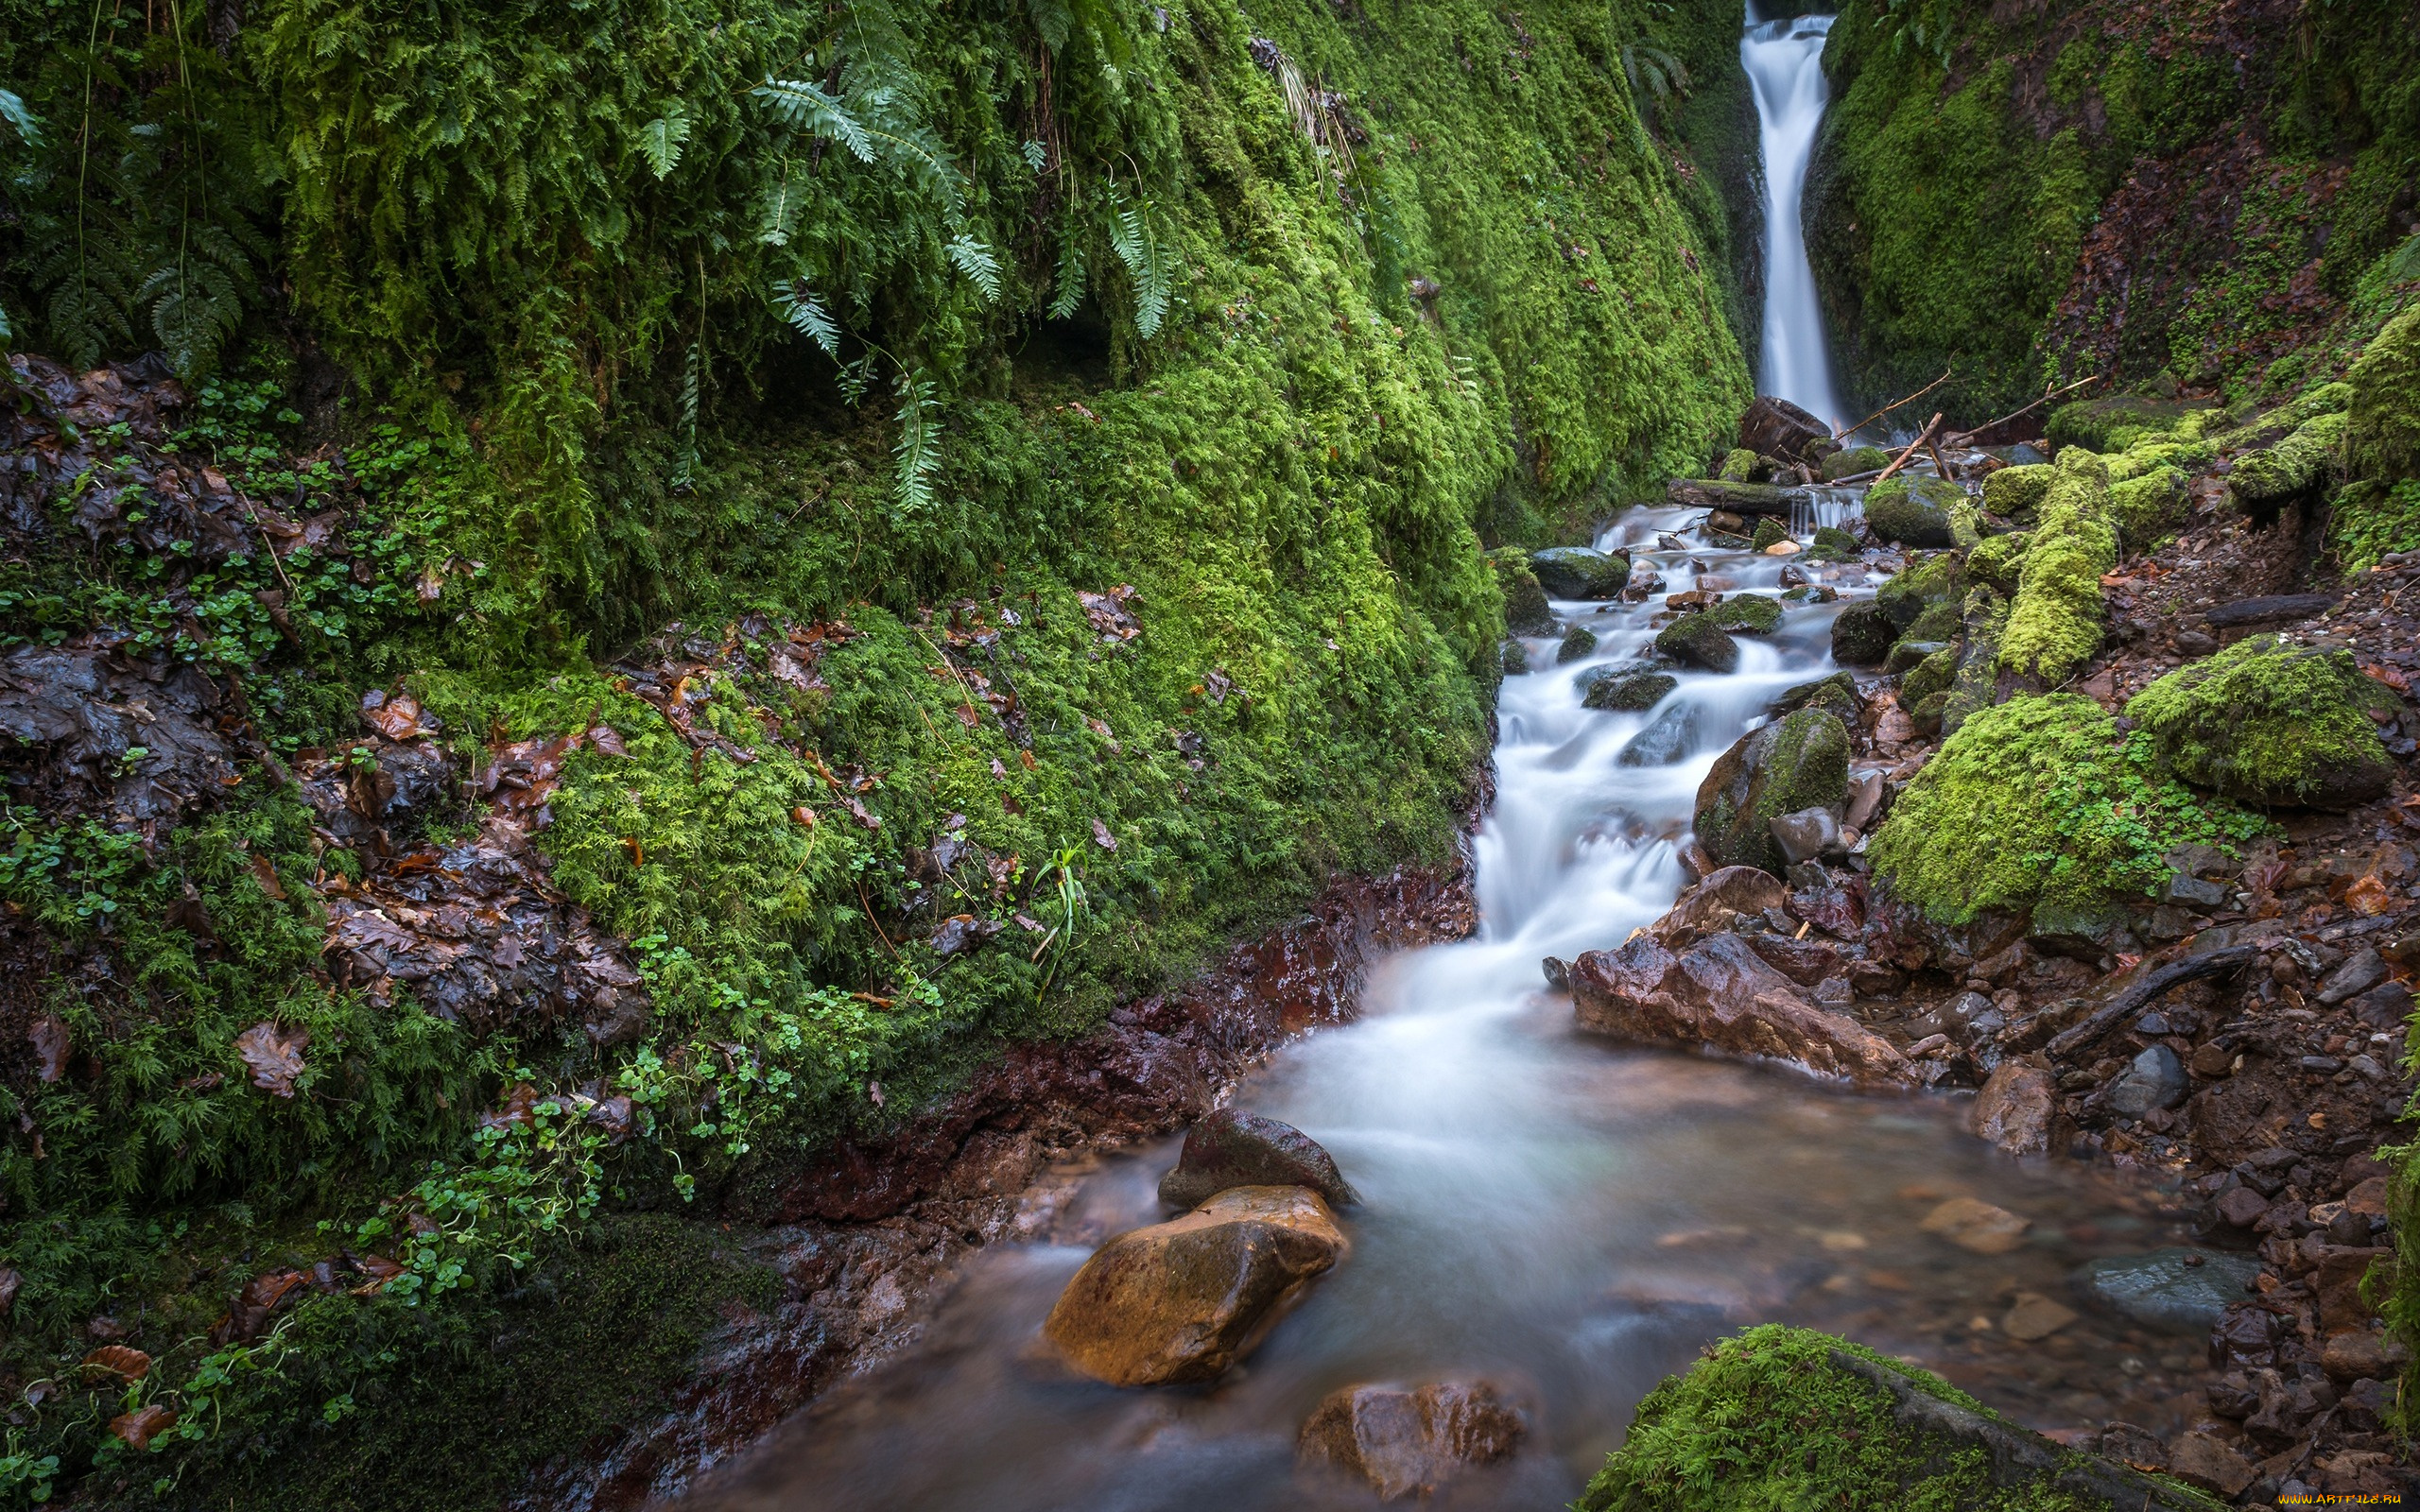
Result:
[{"x": 1785, "y": 64}]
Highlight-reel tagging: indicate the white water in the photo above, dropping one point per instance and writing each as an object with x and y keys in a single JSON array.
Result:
[
  {"x": 1784, "y": 64},
  {"x": 1569, "y": 1218}
]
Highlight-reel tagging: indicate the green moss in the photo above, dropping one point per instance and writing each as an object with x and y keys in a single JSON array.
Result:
[
  {"x": 1938, "y": 578},
  {"x": 1914, "y": 511},
  {"x": 2368, "y": 520},
  {"x": 1834, "y": 544},
  {"x": 1578, "y": 642},
  {"x": 1801, "y": 763},
  {"x": 1526, "y": 610},
  {"x": 2148, "y": 507},
  {"x": 1977, "y": 684},
  {"x": 2265, "y": 721},
  {"x": 2038, "y": 801},
  {"x": 1836, "y": 693},
  {"x": 1853, "y": 460},
  {"x": 2015, "y": 492},
  {"x": 2300, "y": 464},
  {"x": 1929, "y": 676},
  {"x": 1997, "y": 560},
  {"x": 1698, "y": 640},
  {"x": 1769, "y": 532},
  {"x": 1739, "y": 465},
  {"x": 2055, "y": 622},
  {"x": 1774, "y": 1419},
  {"x": 1628, "y": 691},
  {"x": 2382, "y": 440},
  {"x": 1752, "y": 613}
]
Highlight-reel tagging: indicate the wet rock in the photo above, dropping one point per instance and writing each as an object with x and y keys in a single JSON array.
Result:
[
  {"x": 1806, "y": 835},
  {"x": 2240, "y": 1206},
  {"x": 1776, "y": 427},
  {"x": 2174, "y": 1290},
  {"x": 2208, "y": 1462},
  {"x": 1862, "y": 634},
  {"x": 1731, "y": 498},
  {"x": 2015, "y": 1108},
  {"x": 2155, "y": 1079},
  {"x": 1807, "y": 962},
  {"x": 1836, "y": 693},
  {"x": 1526, "y": 610},
  {"x": 2032, "y": 1318},
  {"x": 1720, "y": 995},
  {"x": 2359, "y": 972},
  {"x": 1714, "y": 900},
  {"x": 1749, "y": 614},
  {"x": 1407, "y": 1442},
  {"x": 1786, "y": 767},
  {"x": 1231, "y": 1149},
  {"x": 1580, "y": 572},
  {"x": 2355, "y": 1354},
  {"x": 1625, "y": 692},
  {"x": 1975, "y": 1225},
  {"x": 2193, "y": 892},
  {"x": 2134, "y": 1446},
  {"x": 1671, "y": 736},
  {"x": 1578, "y": 642},
  {"x": 1914, "y": 511},
  {"x": 1183, "y": 1300},
  {"x": 1698, "y": 642},
  {"x": 86, "y": 727},
  {"x": 1854, "y": 462}
]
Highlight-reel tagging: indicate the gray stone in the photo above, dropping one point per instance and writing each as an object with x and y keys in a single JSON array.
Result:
[
  {"x": 2156, "y": 1079},
  {"x": 2202, "y": 861},
  {"x": 1671, "y": 736},
  {"x": 1628, "y": 691},
  {"x": 2161, "y": 1290},
  {"x": 2193, "y": 892},
  {"x": 2355, "y": 977},
  {"x": 1231, "y": 1149},
  {"x": 1862, "y": 634},
  {"x": 1806, "y": 835},
  {"x": 1578, "y": 642}
]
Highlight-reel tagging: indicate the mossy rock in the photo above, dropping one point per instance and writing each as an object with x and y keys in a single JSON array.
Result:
[
  {"x": 1862, "y": 634},
  {"x": 2382, "y": 433},
  {"x": 1857, "y": 460},
  {"x": 2114, "y": 422},
  {"x": 1784, "y": 1417},
  {"x": 1526, "y": 610},
  {"x": 2148, "y": 507},
  {"x": 1517, "y": 659},
  {"x": 1925, "y": 714},
  {"x": 1768, "y": 533},
  {"x": 1914, "y": 511},
  {"x": 1836, "y": 693},
  {"x": 1580, "y": 572},
  {"x": 1929, "y": 676},
  {"x": 2270, "y": 723},
  {"x": 1977, "y": 685},
  {"x": 1749, "y": 613},
  {"x": 2055, "y": 622},
  {"x": 1628, "y": 691},
  {"x": 1700, "y": 642},
  {"x": 2039, "y": 798},
  {"x": 1577, "y": 641},
  {"x": 1832, "y": 543},
  {"x": 1995, "y": 561},
  {"x": 1739, "y": 465},
  {"x": 1905, "y": 656},
  {"x": 1800, "y": 762},
  {"x": 2302, "y": 464},
  {"x": 2015, "y": 492},
  {"x": 1928, "y": 581}
]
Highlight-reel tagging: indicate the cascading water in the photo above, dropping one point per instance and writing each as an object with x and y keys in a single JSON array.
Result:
[
  {"x": 1567, "y": 1218},
  {"x": 1785, "y": 64}
]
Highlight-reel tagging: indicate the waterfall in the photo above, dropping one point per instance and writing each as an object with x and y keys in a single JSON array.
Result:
[{"x": 1785, "y": 64}]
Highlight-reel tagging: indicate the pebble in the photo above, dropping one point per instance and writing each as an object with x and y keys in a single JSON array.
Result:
[
  {"x": 1974, "y": 1225},
  {"x": 2034, "y": 1317}
]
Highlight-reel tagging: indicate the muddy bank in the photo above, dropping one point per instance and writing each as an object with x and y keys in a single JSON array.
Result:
[{"x": 868, "y": 1237}]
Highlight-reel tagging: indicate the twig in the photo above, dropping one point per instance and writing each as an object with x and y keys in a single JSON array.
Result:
[
  {"x": 2139, "y": 996},
  {"x": 875, "y": 922},
  {"x": 1901, "y": 460},
  {"x": 1894, "y": 404},
  {"x": 2036, "y": 405}
]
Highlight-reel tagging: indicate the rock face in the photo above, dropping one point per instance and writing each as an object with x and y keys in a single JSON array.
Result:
[
  {"x": 1800, "y": 762},
  {"x": 1697, "y": 639},
  {"x": 1183, "y": 1300},
  {"x": 2014, "y": 1107},
  {"x": 2174, "y": 1290},
  {"x": 1914, "y": 511},
  {"x": 1862, "y": 634},
  {"x": 1580, "y": 572},
  {"x": 1229, "y": 1149},
  {"x": 1720, "y": 995},
  {"x": 1404, "y": 1442}
]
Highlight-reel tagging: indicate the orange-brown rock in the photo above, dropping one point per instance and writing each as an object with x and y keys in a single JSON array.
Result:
[
  {"x": 2015, "y": 1106},
  {"x": 1183, "y": 1300},
  {"x": 1402, "y": 1441},
  {"x": 1720, "y": 995}
]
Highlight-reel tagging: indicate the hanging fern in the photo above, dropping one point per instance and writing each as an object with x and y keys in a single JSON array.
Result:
[
  {"x": 918, "y": 450},
  {"x": 804, "y": 105},
  {"x": 660, "y": 139},
  {"x": 1131, "y": 238},
  {"x": 799, "y": 306},
  {"x": 1067, "y": 288},
  {"x": 692, "y": 378},
  {"x": 972, "y": 258}
]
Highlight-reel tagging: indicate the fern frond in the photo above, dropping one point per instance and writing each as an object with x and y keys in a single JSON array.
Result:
[
  {"x": 1054, "y": 21},
  {"x": 660, "y": 139},
  {"x": 685, "y": 468},
  {"x": 1131, "y": 238},
  {"x": 972, "y": 258},
  {"x": 29, "y": 126},
  {"x": 801, "y": 103},
  {"x": 806, "y": 312},
  {"x": 919, "y": 447},
  {"x": 1069, "y": 287}
]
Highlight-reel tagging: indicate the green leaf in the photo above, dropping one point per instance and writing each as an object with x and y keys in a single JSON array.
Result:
[
  {"x": 660, "y": 139},
  {"x": 803, "y": 103},
  {"x": 972, "y": 258}
]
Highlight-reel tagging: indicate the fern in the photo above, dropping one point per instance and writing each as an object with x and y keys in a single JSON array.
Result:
[
  {"x": 12, "y": 109},
  {"x": 1131, "y": 238},
  {"x": 1054, "y": 21},
  {"x": 918, "y": 450},
  {"x": 972, "y": 258},
  {"x": 806, "y": 312},
  {"x": 1068, "y": 287},
  {"x": 660, "y": 139},
  {"x": 691, "y": 377},
  {"x": 804, "y": 105}
]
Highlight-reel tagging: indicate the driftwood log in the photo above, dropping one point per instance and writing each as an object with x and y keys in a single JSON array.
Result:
[{"x": 2133, "y": 1000}]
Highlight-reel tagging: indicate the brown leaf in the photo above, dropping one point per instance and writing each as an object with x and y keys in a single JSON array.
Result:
[
  {"x": 121, "y": 1360},
  {"x": 48, "y": 1035},
  {"x": 139, "y": 1427},
  {"x": 9, "y": 1284},
  {"x": 265, "y": 872},
  {"x": 520, "y": 1105},
  {"x": 1101, "y": 837},
  {"x": 274, "y": 1054},
  {"x": 2369, "y": 896},
  {"x": 607, "y": 739},
  {"x": 399, "y": 717}
]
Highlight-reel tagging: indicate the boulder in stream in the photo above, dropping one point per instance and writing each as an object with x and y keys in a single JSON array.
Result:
[
  {"x": 1183, "y": 1300},
  {"x": 1234, "y": 1150},
  {"x": 1698, "y": 641},
  {"x": 1404, "y": 1442},
  {"x": 1580, "y": 572},
  {"x": 1913, "y": 510},
  {"x": 1721, "y": 995},
  {"x": 2013, "y": 1110},
  {"x": 1862, "y": 634},
  {"x": 1628, "y": 691},
  {"x": 1800, "y": 762},
  {"x": 2173, "y": 1289}
]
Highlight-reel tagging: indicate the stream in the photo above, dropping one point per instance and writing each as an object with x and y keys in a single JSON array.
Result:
[{"x": 1565, "y": 1218}]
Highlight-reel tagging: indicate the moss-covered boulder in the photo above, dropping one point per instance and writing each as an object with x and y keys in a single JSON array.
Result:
[
  {"x": 1578, "y": 642},
  {"x": 2150, "y": 506},
  {"x": 1526, "y": 610},
  {"x": 1835, "y": 694},
  {"x": 1854, "y": 460},
  {"x": 1782, "y": 1418},
  {"x": 1739, "y": 465},
  {"x": 2114, "y": 422},
  {"x": 1929, "y": 584},
  {"x": 1801, "y": 762},
  {"x": 1832, "y": 543},
  {"x": 1995, "y": 559},
  {"x": 1697, "y": 641},
  {"x": 1628, "y": 691},
  {"x": 1914, "y": 511},
  {"x": 2382, "y": 433},
  {"x": 1749, "y": 613},
  {"x": 1580, "y": 572},
  {"x": 2015, "y": 492},
  {"x": 2056, "y": 621},
  {"x": 1862, "y": 634},
  {"x": 1769, "y": 533},
  {"x": 2267, "y": 480},
  {"x": 2270, "y": 723},
  {"x": 1929, "y": 676},
  {"x": 2038, "y": 800}
]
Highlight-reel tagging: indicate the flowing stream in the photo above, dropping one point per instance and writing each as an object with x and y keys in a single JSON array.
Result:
[
  {"x": 1785, "y": 64},
  {"x": 1567, "y": 1218}
]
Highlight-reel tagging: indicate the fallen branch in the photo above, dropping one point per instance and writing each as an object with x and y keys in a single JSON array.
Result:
[
  {"x": 1901, "y": 460},
  {"x": 1964, "y": 438},
  {"x": 2136, "y": 998},
  {"x": 1885, "y": 409}
]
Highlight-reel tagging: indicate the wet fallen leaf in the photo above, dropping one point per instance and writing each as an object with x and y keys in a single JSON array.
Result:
[
  {"x": 2369, "y": 896},
  {"x": 608, "y": 740},
  {"x": 265, "y": 872},
  {"x": 48, "y": 1035},
  {"x": 399, "y": 717},
  {"x": 1101, "y": 837},
  {"x": 274, "y": 1054},
  {"x": 520, "y": 1105},
  {"x": 141, "y": 1426},
  {"x": 120, "y": 1359}
]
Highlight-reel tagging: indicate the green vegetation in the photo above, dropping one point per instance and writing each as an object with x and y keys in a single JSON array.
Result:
[
  {"x": 1800, "y": 762},
  {"x": 2056, "y": 621},
  {"x": 2015, "y": 492},
  {"x": 2040, "y": 800},
  {"x": 1750, "y": 613},
  {"x": 1913, "y": 510},
  {"x": 2297, "y": 465},
  {"x": 2267, "y": 722}
]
